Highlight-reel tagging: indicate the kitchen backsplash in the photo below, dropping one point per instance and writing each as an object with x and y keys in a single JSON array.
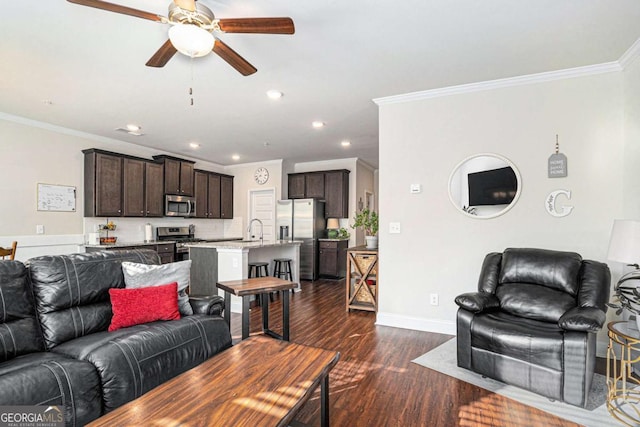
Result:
[{"x": 132, "y": 229}]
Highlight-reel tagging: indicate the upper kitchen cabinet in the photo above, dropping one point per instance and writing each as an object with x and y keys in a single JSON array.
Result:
[
  {"x": 314, "y": 185},
  {"x": 153, "y": 189},
  {"x": 119, "y": 185},
  {"x": 309, "y": 185},
  {"x": 226, "y": 197},
  {"x": 336, "y": 194},
  {"x": 208, "y": 194},
  {"x": 331, "y": 186},
  {"x": 178, "y": 175},
  {"x": 297, "y": 185},
  {"x": 102, "y": 183}
]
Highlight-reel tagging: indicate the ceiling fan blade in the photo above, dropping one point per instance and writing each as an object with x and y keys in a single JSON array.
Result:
[
  {"x": 118, "y": 9},
  {"x": 189, "y": 5},
  {"x": 257, "y": 25},
  {"x": 233, "y": 59},
  {"x": 162, "y": 56}
]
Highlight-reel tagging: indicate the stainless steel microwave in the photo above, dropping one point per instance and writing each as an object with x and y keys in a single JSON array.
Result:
[{"x": 179, "y": 206}]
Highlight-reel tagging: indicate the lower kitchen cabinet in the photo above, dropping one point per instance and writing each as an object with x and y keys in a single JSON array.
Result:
[{"x": 333, "y": 258}]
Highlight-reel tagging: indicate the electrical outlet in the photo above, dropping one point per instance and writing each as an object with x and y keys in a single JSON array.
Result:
[
  {"x": 39, "y": 229},
  {"x": 394, "y": 228},
  {"x": 433, "y": 299}
]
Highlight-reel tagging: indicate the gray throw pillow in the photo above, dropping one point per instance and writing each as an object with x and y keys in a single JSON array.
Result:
[{"x": 144, "y": 275}]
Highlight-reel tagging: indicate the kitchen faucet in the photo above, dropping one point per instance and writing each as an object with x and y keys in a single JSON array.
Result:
[{"x": 261, "y": 229}]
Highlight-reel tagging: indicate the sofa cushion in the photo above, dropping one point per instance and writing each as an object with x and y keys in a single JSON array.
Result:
[
  {"x": 534, "y": 301},
  {"x": 19, "y": 330},
  {"x": 52, "y": 379},
  {"x": 142, "y": 275},
  {"x": 535, "y": 342},
  {"x": 136, "y": 306},
  {"x": 132, "y": 361},
  {"x": 72, "y": 291},
  {"x": 553, "y": 269}
]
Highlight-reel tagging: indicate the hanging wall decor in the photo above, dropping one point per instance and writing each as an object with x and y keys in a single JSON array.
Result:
[
  {"x": 557, "y": 163},
  {"x": 550, "y": 204}
]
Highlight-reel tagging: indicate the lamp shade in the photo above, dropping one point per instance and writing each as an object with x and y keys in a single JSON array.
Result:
[
  {"x": 191, "y": 40},
  {"x": 333, "y": 223},
  {"x": 624, "y": 245}
]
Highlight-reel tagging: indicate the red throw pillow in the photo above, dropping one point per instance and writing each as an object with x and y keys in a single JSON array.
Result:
[{"x": 143, "y": 305}]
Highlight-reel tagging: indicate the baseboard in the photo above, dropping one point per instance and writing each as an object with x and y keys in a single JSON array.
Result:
[{"x": 438, "y": 326}]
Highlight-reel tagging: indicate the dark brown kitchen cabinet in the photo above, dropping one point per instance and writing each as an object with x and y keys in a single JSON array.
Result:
[
  {"x": 133, "y": 187},
  {"x": 153, "y": 197},
  {"x": 178, "y": 175},
  {"x": 333, "y": 258},
  {"x": 226, "y": 197},
  {"x": 208, "y": 194},
  {"x": 336, "y": 194},
  {"x": 102, "y": 183},
  {"x": 314, "y": 185},
  {"x": 297, "y": 185},
  {"x": 308, "y": 185}
]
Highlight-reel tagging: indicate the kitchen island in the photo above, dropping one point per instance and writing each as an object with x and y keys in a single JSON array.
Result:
[{"x": 213, "y": 262}]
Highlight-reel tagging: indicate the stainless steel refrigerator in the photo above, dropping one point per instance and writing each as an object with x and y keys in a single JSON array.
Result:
[{"x": 302, "y": 219}]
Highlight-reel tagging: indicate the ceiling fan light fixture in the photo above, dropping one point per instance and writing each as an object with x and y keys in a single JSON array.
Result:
[{"x": 191, "y": 40}]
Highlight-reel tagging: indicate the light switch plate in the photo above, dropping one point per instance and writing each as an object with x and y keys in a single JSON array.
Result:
[
  {"x": 394, "y": 228},
  {"x": 39, "y": 229}
]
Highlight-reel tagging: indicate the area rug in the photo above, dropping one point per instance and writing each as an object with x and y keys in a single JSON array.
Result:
[{"x": 596, "y": 415}]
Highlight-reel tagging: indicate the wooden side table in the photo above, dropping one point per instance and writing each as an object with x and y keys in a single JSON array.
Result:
[
  {"x": 623, "y": 401},
  {"x": 362, "y": 279},
  {"x": 257, "y": 285}
]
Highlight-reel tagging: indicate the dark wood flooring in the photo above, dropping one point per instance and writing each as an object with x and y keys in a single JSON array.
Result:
[{"x": 375, "y": 383}]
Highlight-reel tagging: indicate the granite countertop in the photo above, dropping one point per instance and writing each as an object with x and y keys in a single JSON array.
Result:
[
  {"x": 120, "y": 244},
  {"x": 331, "y": 240},
  {"x": 242, "y": 244}
]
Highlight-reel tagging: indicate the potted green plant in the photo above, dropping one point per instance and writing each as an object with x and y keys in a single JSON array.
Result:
[{"x": 368, "y": 221}]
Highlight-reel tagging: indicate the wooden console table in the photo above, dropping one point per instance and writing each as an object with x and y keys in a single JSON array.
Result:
[
  {"x": 259, "y": 382},
  {"x": 362, "y": 279}
]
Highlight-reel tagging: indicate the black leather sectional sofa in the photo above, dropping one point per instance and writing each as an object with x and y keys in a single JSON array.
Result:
[{"x": 54, "y": 344}]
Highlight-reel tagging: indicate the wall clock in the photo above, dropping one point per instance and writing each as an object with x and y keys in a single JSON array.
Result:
[{"x": 261, "y": 176}]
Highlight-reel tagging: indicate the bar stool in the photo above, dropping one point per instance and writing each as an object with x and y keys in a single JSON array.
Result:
[
  {"x": 279, "y": 272},
  {"x": 259, "y": 269}
]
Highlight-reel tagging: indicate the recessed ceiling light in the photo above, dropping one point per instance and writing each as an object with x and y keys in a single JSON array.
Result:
[
  {"x": 274, "y": 94},
  {"x": 133, "y": 128},
  {"x": 194, "y": 145},
  {"x": 318, "y": 124},
  {"x": 235, "y": 157},
  {"x": 345, "y": 143}
]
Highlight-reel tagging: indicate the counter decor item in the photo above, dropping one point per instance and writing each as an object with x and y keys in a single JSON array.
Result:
[
  {"x": 368, "y": 221},
  {"x": 106, "y": 239},
  {"x": 343, "y": 233}
]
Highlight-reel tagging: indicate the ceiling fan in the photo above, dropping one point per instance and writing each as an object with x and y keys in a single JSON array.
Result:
[{"x": 192, "y": 29}]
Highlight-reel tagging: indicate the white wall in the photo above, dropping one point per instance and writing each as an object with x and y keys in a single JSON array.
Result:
[{"x": 440, "y": 250}]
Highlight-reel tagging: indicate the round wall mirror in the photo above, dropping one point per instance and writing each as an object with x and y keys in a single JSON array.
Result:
[{"x": 484, "y": 186}]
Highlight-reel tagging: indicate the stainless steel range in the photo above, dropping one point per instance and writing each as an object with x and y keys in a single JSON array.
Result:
[{"x": 180, "y": 235}]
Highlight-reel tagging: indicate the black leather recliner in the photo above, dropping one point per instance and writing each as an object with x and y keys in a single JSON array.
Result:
[{"x": 533, "y": 321}]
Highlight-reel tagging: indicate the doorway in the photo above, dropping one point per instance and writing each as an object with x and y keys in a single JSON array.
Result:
[{"x": 262, "y": 205}]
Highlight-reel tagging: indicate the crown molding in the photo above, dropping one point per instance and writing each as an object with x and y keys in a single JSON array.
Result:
[
  {"x": 630, "y": 55},
  {"x": 528, "y": 79}
]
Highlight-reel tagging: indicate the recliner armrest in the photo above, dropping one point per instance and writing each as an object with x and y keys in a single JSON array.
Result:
[
  {"x": 477, "y": 302},
  {"x": 587, "y": 319},
  {"x": 212, "y": 305}
]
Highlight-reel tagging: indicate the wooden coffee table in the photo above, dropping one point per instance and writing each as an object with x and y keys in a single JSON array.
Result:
[
  {"x": 259, "y": 382},
  {"x": 256, "y": 286}
]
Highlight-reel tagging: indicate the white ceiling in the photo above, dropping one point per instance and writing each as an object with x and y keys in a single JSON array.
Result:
[{"x": 90, "y": 64}]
